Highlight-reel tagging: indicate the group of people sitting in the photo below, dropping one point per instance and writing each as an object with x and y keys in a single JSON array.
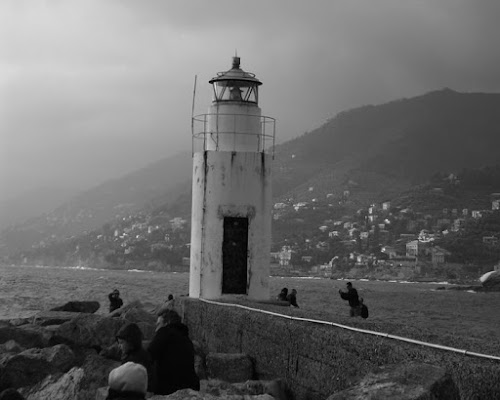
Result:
[
  {"x": 165, "y": 366},
  {"x": 291, "y": 297}
]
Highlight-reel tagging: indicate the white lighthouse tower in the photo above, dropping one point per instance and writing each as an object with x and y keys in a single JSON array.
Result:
[{"x": 232, "y": 197}]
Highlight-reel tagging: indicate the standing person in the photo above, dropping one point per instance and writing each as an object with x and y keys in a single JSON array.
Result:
[
  {"x": 115, "y": 301},
  {"x": 173, "y": 355},
  {"x": 128, "y": 382},
  {"x": 352, "y": 296},
  {"x": 292, "y": 298}
]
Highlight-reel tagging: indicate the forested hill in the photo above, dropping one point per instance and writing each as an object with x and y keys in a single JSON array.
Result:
[{"x": 403, "y": 141}]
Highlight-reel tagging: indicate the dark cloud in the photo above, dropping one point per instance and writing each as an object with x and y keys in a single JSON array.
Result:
[{"x": 92, "y": 89}]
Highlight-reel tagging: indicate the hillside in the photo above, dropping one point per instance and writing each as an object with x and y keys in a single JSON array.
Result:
[
  {"x": 369, "y": 154},
  {"x": 387, "y": 147},
  {"x": 157, "y": 184}
]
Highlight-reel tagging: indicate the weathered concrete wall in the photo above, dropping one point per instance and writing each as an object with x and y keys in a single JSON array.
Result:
[
  {"x": 227, "y": 184},
  {"x": 318, "y": 360}
]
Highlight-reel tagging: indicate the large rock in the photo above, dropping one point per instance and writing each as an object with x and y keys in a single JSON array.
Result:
[
  {"x": 26, "y": 336},
  {"x": 215, "y": 387},
  {"x": 89, "y": 330},
  {"x": 31, "y": 366},
  {"x": 79, "y": 383},
  {"x": 57, "y": 387},
  {"x": 413, "y": 381},
  {"x": 189, "y": 394},
  {"x": 229, "y": 367},
  {"x": 46, "y": 318},
  {"x": 79, "y": 306},
  {"x": 11, "y": 346},
  {"x": 490, "y": 280},
  {"x": 145, "y": 320}
]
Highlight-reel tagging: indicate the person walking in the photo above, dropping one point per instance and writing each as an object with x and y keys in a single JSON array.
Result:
[
  {"x": 352, "y": 297},
  {"x": 172, "y": 353}
]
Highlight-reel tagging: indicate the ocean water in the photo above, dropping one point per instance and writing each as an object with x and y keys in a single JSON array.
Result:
[{"x": 26, "y": 290}]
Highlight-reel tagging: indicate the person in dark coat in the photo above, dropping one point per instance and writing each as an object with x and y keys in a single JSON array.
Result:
[
  {"x": 292, "y": 298},
  {"x": 282, "y": 295},
  {"x": 352, "y": 297},
  {"x": 128, "y": 382},
  {"x": 129, "y": 340},
  {"x": 115, "y": 302},
  {"x": 173, "y": 355}
]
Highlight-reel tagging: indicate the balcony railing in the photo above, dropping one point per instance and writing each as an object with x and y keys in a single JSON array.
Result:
[{"x": 230, "y": 136}]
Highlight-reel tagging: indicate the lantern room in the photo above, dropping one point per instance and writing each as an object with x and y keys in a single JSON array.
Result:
[{"x": 235, "y": 85}]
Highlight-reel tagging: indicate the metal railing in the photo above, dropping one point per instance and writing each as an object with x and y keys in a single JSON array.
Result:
[{"x": 204, "y": 138}]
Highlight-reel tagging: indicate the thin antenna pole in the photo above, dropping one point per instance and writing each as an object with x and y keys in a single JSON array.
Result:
[{"x": 192, "y": 116}]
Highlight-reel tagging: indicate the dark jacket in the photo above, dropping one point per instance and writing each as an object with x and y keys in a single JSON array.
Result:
[
  {"x": 352, "y": 296},
  {"x": 114, "y": 302},
  {"x": 283, "y": 294},
  {"x": 114, "y": 395},
  {"x": 292, "y": 299},
  {"x": 173, "y": 355},
  {"x": 137, "y": 354}
]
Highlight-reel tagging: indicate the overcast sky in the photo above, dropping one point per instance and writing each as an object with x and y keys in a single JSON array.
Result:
[{"x": 93, "y": 89}]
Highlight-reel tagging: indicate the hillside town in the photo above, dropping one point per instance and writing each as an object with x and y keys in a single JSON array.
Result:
[
  {"x": 309, "y": 237},
  {"x": 382, "y": 235}
]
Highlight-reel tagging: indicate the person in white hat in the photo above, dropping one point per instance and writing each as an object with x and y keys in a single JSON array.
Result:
[{"x": 128, "y": 382}]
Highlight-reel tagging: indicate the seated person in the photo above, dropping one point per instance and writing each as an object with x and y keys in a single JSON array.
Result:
[
  {"x": 282, "y": 295},
  {"x": 128, "y": 381},
  {"x": 292, "y": 298}
]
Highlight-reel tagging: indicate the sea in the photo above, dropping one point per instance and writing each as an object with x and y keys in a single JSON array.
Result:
[{"x": 26, "y": 290}]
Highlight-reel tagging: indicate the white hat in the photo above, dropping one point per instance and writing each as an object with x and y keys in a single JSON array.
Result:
[{"x": 129, "y": 377}]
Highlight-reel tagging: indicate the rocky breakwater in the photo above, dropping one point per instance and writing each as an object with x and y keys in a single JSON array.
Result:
[
  {"x": 56, "y": 354},
  {"x": 59, "y": 355}
]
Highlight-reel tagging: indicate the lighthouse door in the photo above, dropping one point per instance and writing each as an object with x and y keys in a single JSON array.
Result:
[{"x": 234, "y": 255}]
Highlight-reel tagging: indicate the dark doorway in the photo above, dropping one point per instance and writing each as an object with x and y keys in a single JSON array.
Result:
[{"x": 234, "y": 255}]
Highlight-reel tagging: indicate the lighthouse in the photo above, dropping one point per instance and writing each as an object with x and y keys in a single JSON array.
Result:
[{"x": 233, "y": 148}]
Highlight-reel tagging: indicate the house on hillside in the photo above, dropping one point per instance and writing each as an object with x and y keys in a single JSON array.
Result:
[
  {"x": 415, "y": 248},
  {"x": 495, "y": 205},
  {"x": 298, "y": 206},
  {"x": 458, "y": 224},
  {"x": 354, "y": 232},
  {"x": 285, "y": 255},
  {"x": 386, "y": 205},
  {"x": 390, "y": 251},
  {"x": 477, "y": 214},
  {"x": 491, "y": 240},
  {"x": 438, "y": 255}
]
